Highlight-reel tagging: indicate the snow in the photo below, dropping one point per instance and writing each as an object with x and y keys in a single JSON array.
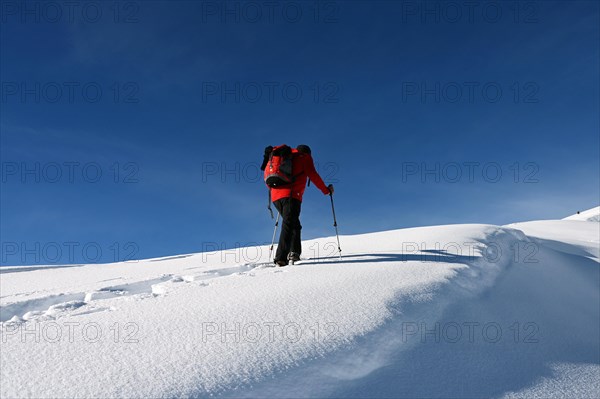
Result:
[
  {"x": 591, "y": 215},
  {"x": 443, "y": 311}
]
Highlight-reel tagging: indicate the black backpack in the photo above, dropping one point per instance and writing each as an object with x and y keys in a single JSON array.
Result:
[{"x": 277, "y": 165}]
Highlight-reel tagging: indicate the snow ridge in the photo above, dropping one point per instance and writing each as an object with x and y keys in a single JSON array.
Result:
[
  {"x": 591, "y": 215},
  {"x": 377, "y": 349}
]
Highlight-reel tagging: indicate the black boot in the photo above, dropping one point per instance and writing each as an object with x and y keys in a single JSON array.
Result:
[
  {"x": 293, "y": 257},
  {"x": 280, "y": 262}
]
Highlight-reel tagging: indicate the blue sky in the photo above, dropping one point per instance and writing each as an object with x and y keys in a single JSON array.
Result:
[{"x": 172, "y": 102}]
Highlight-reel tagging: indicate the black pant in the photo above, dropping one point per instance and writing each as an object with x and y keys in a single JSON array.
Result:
[{"x": 289, "y": 240}]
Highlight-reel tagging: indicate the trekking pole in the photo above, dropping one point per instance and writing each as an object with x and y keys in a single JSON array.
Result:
[
  {"x": 273, "y": 240},
  {"x": 335, "y": 225}
]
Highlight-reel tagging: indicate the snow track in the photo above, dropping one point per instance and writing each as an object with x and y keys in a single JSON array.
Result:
[{"x": 45, "y": 307}]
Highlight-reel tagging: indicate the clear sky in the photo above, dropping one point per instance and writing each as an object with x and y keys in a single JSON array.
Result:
[{"x": 136, "y": 128}]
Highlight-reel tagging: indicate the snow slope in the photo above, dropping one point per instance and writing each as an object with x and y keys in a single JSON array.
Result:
[
  {"x": 444, "y": 311},
  {"x": 591, "y": 215}
]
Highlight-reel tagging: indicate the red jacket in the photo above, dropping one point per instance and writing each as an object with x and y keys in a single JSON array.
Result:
[{"x": 303, "y": 167}]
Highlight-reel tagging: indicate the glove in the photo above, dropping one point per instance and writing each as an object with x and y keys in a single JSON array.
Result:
[{"x": 330, "y": 187}]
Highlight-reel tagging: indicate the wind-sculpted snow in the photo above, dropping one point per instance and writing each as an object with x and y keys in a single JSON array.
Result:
[{"x": 224, "y": 324}]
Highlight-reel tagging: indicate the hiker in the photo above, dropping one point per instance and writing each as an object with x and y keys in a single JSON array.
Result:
[{"x": 287, "y": 171}]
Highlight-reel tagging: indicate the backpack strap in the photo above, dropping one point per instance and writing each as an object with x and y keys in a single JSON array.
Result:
[{"x": 269, "y": 206}]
